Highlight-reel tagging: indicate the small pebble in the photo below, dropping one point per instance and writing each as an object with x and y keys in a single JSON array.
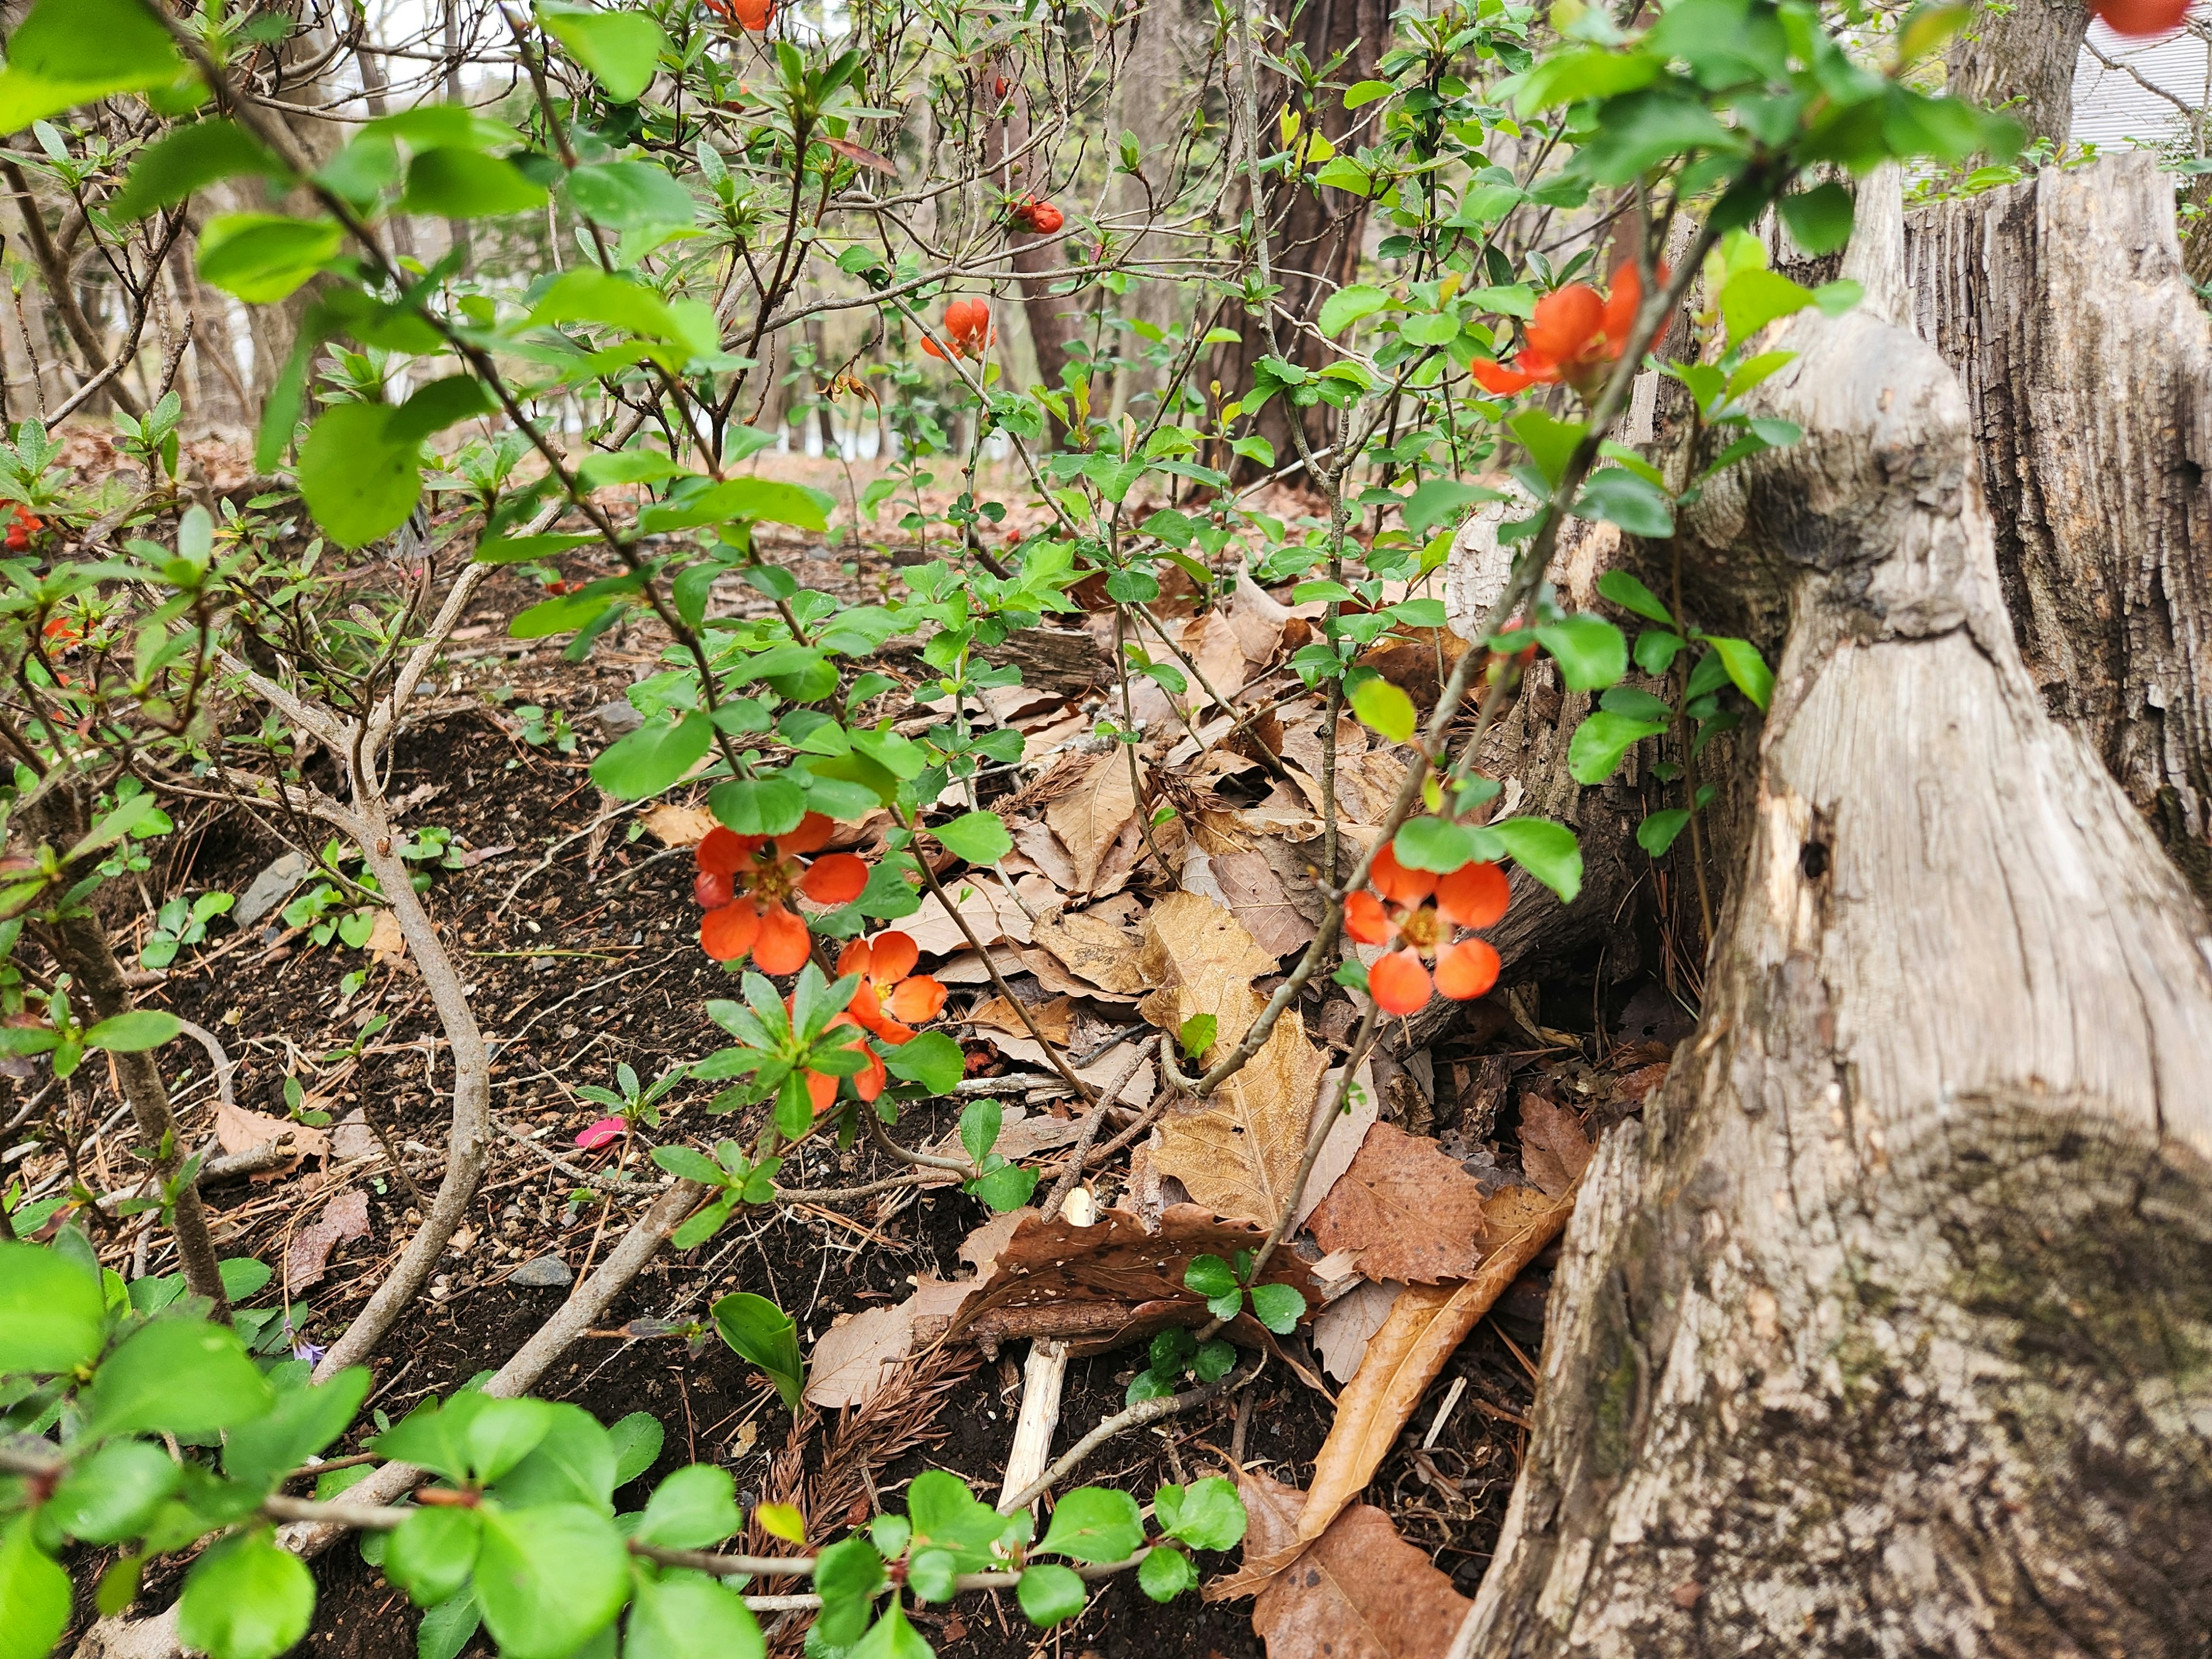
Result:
[{"x": 545, "y": 1272}]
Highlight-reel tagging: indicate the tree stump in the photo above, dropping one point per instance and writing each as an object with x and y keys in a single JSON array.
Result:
[{"x": 1889, "y": 1330}]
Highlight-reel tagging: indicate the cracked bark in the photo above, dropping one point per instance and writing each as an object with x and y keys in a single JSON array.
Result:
[{"x": 1884, "y": 1332}]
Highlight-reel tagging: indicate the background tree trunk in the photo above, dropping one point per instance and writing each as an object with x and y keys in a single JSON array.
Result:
[
  {"x": 2088, "y": 365},
  {"x": 2023, "y": 50},
  {"x": 1884, "y": 1332}
]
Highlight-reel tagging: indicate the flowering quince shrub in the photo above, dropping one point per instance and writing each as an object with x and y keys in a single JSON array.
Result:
[{"x": 716, "y": 182}]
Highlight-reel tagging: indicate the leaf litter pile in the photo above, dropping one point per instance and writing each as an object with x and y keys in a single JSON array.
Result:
[{"x": 1140, "y": 920}]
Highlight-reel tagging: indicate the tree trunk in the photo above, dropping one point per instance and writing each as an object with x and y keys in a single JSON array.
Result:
[
  {"x": 1315, "y": 237},
  {"x": 1884, "y": 1333},
  {"x": 2023, "y": 50},
  {"x": 2088, "y": 365}
]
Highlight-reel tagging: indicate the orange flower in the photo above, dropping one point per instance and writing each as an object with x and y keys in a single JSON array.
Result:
[
  {"x": 1575, "y": 337},
  {"x": 966, "y": 329},
  {"x": 1422, "y": 914},
  {"x": 1042, "y": 217},
  {"x": 2140, "y": 17},
  {"x": 24, "y": 525},
  {"x": 892, "y": 999},
  {"x": 753, "y": 15},
  {"x": 867, "y": 1083},
  {"x": 743, "y": 883}
]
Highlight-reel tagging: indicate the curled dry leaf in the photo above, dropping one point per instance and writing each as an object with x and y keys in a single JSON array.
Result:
[
  {"x": 1411, "y": 1211},
  {"x": 385, "y": 943},
  {"x": 863, "y": 155},
  {"x": 676, "y": 826},
  {"x": 997, "y": 1014},
  {"x": 1361, "y": 1592},
  {"x": 237, "y": 1130},
  {"x": 306, "y": 1257},
  {"x": 1554, "y": 1150},
  {"x": 1342, "y": 1330},
  {"x": 1237, "y": 1152},
  {"x": 1089, "y": 817},
  {"x": 857, "y": 1355},
  {"x": 1426, "y": 1325},
  {"x": 1094, "y": 950},
  {"x": 989, "y": 910}
]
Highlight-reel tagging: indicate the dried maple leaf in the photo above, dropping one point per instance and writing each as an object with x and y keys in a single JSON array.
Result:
[
  {"x": 1089, "y": 818},
  {"x": 1238, "y": 1152},
  {"x": 1554, "y": 1150},
  {"x": 1412, "y": 1212},
  {"x": 306, "y": 1257},
  {"x": 1358, "y": 1592}
]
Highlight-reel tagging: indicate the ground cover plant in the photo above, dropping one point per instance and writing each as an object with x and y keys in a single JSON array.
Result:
[{"x": 962, "y": 827}]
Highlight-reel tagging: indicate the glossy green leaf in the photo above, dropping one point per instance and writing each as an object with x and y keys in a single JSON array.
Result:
[
  {"x": 134, "y": 1031},
  {"x": 52, "y": 1315},
  {"x": 1594, "y": 752},
  {"x": 1630, "y": 594},
  {"x": 1437, "y": 501},
  {"x": 653, "y": 757},
  {"x": 1745, "y": 667},
  {"x": 1619, "y": 496},
  {"x": 891, "y": 1637},
  {"x": 636, "y": 1439},
  {"x": 191, "y": 158},
  {"x": 620, "y": 48},
  {"x": 549, "y": 1579},
  {"x": 933, "y": 1059},
  {"x": 1095, "y": 1524},
  {"x": 248, "y": 1598},
  {"x": 181, "y": 1376},
  {"x": 628, "y": 195},
  {"x": 1166, "y": 1573},
  {"x": 111, "y": 1495},
  {"x": 1382, "y": 708},
  {"x": 262, "y": 258},
  {"x": 978, "y": 838},
  {"x": 1279, "y": 1307},
  {"x": 695, "y": 1508},
  {"x": 687, "y": 1615},
  {"x": 34, "y": 1591},
  {"x": 1546, "y": 850},
  {"x": 1049, "y": 1593},
  {"x": 1207, "y": 1515},
  {"x": 1348, "y": 304},
  {"x": 572, "y": 1462},
  {"x": 1658, "y": 830},
  {"x": 432, "y": 1554},
  {"x": 360, "y": 480},
  {"x": 1592, "y": 654},
  {"x": 306, "y": 1418},
  {"x": 455, "y": 182},
  {"x": 764, "y": 1333},
  {"x": 1752, "y": 298}
]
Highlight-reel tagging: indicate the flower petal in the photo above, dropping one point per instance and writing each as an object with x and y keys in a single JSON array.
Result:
[
  {"x": 1501, "y": 379},
  {"x": 856, "y": 959},
  {"x": 1364, "y": 918},
  {"x": 1395, "y": 882},
  {"x": 1621, "y": 306},
  {"x": 813, "y": 830},
  {"x": 834, "y": 879},
  {"x": 1565, "y": 321},
  {"x": 722, "y": 851},
  {"x": 1474, "y": 895},
  {"x": 1398, "y": 984},
  {"x": 870, "y": 1082},
  {"x": 598, "y": 1134},
  {"x": 895, "y": 954},
  {"x": 727, "y": 934},
  {"x": 781, "y": 946},
  {"x": 918, "y": 999},
  {"x": 821, "y": 1089},
  {"x": 1467, "y": 969}
]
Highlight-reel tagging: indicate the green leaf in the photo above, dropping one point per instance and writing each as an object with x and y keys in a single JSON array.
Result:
[
  {"x": 1637, "y": 705},
  {"x": 978, "y": 838},
  {"x": 847, "y": 1577},
  {"x": 262, "y": 258},
  {"x": 1619, "y": 497},
  {"x": 1657, "y": 831},
  {"x": 52, "y": 1315},
  {"x": 1207, "y": 1515},
  {"x": 1551, "y": 442},
  {"x": 521, "y": 549},
  {"x": 1096, "y": 1524},
  {"x": 1441, "y": 846},
  {"x": 431, "y": 1554},
  {"x": 572, "y": 1462},
  {"x": 133, "y": 1031},
  {"x": 472, "y": 1434},
  {"x": 979, "y": 1121},
  {"x": 1383, "y": 707},
  {"x": 1656, "y": 648},
  {"x": 764, "y": 1333},
  {"x": 1198, "y": 1034},
  {"x": 34, "y": 1592},
  {"x": 1348, "y": 304},
  {"x": 549, "y": 1579},
  {"x": 933, "y": 1059},
  {"x": 758, "y": 806},
  {"x": 1166, "y": 1573},
  {"x": 620, "y": 48},
  {"x": 1006, "y": 1188},
  {"x": 72, "y": 51},
  {"x": 248, "y": 1598},
  {"x": 448, "y": 1628},
  {"x": 1546, "y": 850},
  {"x": 1580, "y": 73},
  {"x": 1630, "y": 594},
  {"x": 1049, "y": 1593},
  {"x": 191, "y": 158},
  {"x": 628, "y": 195},
  {"x": 688, "y": 1165},
  {"x": 693, "y": 1509},
  {"x": 687, "y": 1615},
  {"x": 636, "y": 1440},
  {"x": 115, "y": 1493},
  {"x": 1279, "y": 1307},
  {"x": 1592, "y": 654},
  {"x": 1438, "y": 500},
  {"x": 439, "y": 405},
  {"x": 1745, "y": 667},
  {"x": 1209, "y": 1275},
  {"x": 306, "y": 1418},
  {"x": 1820, "y": 219},
  {"x": 766, "y": 499},
  {"x": 455, "y": 183},
  {"x": 179, "y": 1377},
  {"x": 930, "y": 1574},
  {"x": 1754, "y": 298},
  {"x": 1600, "y": 742},
  {"x": 653, "y": 757},
  {"x": 891, "y": 1638},
  {"x": 360, "y": 481}
]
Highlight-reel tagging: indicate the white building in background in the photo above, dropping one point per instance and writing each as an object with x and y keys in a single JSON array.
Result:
[{"x": 2113, "y": 108}]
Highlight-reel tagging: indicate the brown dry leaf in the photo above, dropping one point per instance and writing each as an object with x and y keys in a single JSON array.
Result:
[
  {"x": 1256, "y": 898},
  {"x": 1093, "y": 949},
  {"x": 306, "y": 1257},
  {"x": 351, "y": 1136},
  {"x": 1089, "y": 817},
  {"x": 1239, "y": 1151},
  {"x": 989, "y": 909},
  {"x": 1022, "y": 1134},
  {"x": 1112, "y": 1282},
  {"x": 856, "y": 1356},
  {"x": 1412, "y": 1212},
  {"x": 676, "y": 826},
  {"x": 237, "y": 1130},
  {"x": 1554, "y": 1150},
  {"x": 1342, "y": 1329},
  {"x": 1037, "y": 842},
  {"x": 1361, "y": 1592},
  {"x": 1137, "y": 1089},
  {"x": 999, "y": 1015},
  {"x": 1426, "y": 1325},
  {"x": 385, "y": 943}
]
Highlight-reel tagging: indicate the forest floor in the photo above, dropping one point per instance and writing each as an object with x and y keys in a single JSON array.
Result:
[{"x": 572, "y": 916}]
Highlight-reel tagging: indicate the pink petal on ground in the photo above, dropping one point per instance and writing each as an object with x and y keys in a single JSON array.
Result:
[{"x": 607, "y": 1129}]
